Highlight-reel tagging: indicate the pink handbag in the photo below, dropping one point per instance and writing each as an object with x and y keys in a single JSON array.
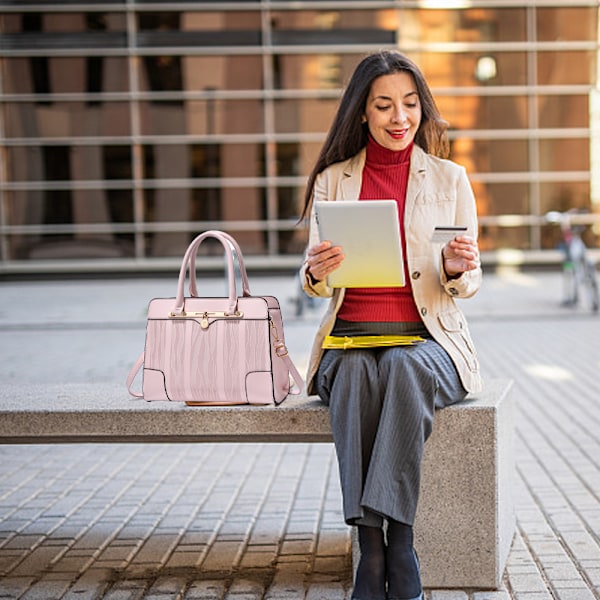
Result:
[{"x": 216, "y": 351}]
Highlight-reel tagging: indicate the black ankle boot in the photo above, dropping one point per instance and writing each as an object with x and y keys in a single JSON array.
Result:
[
  {"x": 402, "y": 564},
  {"x": 369, "y": 583}
]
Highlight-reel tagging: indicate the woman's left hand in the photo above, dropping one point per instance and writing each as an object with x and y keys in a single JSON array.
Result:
[{"x": 460, "y": 255}]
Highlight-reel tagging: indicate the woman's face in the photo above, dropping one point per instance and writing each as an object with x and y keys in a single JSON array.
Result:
[{"x": 393, "y": 110}]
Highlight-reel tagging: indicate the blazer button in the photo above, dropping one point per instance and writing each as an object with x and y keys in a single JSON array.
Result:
[
  {"x": 416, "y": 274},
  {"x": 453, "y": 291},
  {"x": 423, "y": 311}
]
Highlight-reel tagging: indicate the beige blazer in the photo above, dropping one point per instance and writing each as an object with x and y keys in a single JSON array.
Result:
[{"x": 438, "y": 193}]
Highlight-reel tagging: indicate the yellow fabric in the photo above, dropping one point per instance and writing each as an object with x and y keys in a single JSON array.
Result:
[{"x": 333, "y": 342}]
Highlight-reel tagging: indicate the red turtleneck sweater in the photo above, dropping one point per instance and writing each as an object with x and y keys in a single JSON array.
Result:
[{"x": 385, "y": 177}]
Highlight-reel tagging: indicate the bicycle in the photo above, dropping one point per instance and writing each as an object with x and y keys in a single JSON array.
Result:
[{"x": 579, "y": 271}]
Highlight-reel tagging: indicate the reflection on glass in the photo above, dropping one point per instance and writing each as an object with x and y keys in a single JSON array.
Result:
[
  {"x": 66, "y": 119},
  {"x": 464, "y": 69},
  {"x": 564, "y": 155},
  {"x": 484, "y": 112},
  {"x": 313, "y": 71},
  {"x": 202, "y": 117},
  {"x": 565, "y": 67},
  {"x": 64, "y": 75},
  {"x": 334, "y": 20},
  {"x": 220, "y": 73},
  {"x": 508, "y": 198},
  {"x": 564, "y": 195},
  {"x": 497, "y": 156},
  {"x": 566, "y": 23},
  {"x": 563, "y": 111},
  {"x": 306, "y": 116},
  {"x": 463, "y": 25}
]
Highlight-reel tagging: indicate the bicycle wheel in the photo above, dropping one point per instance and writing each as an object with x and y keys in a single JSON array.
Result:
[{"x": 590, "y": 283}]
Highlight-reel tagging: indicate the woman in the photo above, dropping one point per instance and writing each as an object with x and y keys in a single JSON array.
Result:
[{"x": 389, "y": 141}]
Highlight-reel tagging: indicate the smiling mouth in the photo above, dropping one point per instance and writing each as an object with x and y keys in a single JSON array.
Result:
[{"x": 398, "y": 133}]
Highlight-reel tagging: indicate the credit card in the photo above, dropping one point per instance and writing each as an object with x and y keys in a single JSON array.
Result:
[{"x": 443, "y": 235}]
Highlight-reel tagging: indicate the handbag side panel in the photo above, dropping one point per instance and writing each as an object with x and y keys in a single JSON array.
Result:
[{"x": 281, "y": 375}]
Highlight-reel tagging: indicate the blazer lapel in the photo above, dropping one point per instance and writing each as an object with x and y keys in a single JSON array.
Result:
[
  {"x": 351, "y": 180},
  {"x": 416, "y": 180}
]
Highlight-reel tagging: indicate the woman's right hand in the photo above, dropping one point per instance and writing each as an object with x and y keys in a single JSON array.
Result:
[{"x": 322, "y": 259}]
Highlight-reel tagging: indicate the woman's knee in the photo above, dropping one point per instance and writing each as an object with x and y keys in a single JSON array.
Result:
[
  {"x": 400, "y": 362},
  {"x": 404, "y": 373},
  {"x": 346, "y": 367},
  {"x": 348, "y": 362}
]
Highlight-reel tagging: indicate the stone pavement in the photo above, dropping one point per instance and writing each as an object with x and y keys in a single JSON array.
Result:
[{"x": 263, "y": 521}]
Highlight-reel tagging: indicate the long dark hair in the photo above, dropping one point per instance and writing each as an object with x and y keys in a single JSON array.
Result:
[{"x": 348, "y": 135}]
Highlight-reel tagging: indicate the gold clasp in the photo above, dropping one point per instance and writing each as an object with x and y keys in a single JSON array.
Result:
[
  {"x": 205, "y": 315},
  {"x": 278, "y": 344}
]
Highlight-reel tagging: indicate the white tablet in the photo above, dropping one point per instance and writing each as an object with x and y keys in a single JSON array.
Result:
[{"x": 369, "y": 233}]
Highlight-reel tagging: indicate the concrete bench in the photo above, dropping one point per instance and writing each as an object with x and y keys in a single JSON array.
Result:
[{"x": 465, "y": 522}]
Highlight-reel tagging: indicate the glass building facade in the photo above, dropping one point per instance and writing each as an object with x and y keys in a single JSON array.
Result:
[{"x": 129, "y": 126}]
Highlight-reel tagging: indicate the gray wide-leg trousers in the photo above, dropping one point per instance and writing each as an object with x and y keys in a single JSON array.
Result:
[{"x": 382, "y": 403}]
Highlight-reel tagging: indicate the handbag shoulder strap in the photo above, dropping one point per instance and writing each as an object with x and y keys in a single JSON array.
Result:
[
  {"x": 298, "y": 380},
  {"x": 137, "y": 365},
  {"x": 282, "y": 352}
]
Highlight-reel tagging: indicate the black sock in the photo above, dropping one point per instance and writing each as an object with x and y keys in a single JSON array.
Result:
[
  {"x": 404, "y": 579},
  {"x": 370, "y": 574}
]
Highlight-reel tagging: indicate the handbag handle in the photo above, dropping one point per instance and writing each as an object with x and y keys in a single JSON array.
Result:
[
  {"x": 238, "y": 252},
  {"x": 189, "y": 261}
]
